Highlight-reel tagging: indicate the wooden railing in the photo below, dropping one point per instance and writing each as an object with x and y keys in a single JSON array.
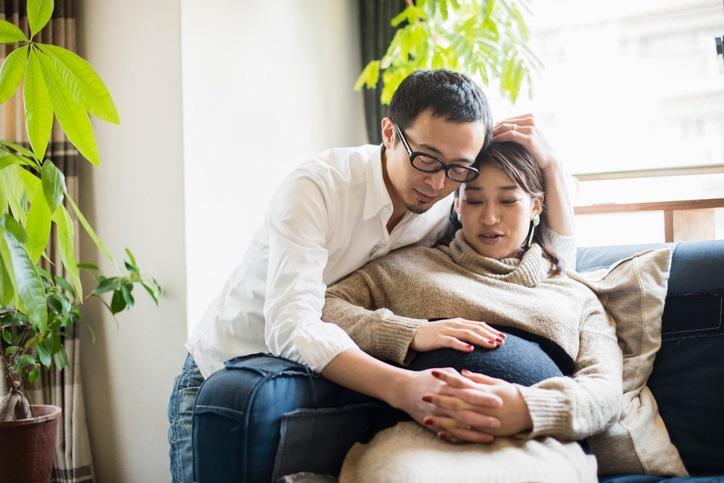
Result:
[{"x": 684, "y": 220}]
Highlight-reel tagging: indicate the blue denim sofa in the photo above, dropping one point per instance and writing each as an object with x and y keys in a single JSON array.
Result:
[
  {"x": 688, "y": 375},
  {"x": 263, "y": 417}
]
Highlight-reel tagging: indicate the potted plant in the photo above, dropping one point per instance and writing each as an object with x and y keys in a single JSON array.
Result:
[{"x": 37, "y": 309}]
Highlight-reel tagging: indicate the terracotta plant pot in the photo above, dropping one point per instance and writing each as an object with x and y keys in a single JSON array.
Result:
[{"x": 27, "y": 446}]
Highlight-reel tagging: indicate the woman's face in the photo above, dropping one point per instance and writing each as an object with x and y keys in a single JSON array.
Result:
[{"x": 495, "y": 213}]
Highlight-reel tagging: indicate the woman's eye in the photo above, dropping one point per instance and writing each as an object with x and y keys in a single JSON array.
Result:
[
  {"x": 510, "y": 202},
  {"x": 473, "y": 202}
]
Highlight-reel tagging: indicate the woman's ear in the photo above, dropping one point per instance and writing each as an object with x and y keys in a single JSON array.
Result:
[
  {"x": 457, "y": 203},
  {"x": 537, "y": 206}
]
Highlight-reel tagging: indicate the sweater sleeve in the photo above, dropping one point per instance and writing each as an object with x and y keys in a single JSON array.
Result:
[
  {"x": 354, "y": 304},
  {"x": 573, "y": 408}
]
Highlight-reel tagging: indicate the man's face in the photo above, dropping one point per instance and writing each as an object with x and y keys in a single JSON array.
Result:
[{"x": 453, "y": 143}]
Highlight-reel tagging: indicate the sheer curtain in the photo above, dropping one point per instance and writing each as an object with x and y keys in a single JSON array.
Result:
[
  {"x": 376, "y": 34},
  {"x": 73, "y": 462}
]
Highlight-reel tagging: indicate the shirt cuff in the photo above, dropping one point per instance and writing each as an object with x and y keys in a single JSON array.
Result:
[{"x": 319, "y": 343}]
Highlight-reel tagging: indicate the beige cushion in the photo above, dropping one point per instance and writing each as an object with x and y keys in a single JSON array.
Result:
[
  {"x": 409, "y": 453},
  {"x": 633, "y": 291}
]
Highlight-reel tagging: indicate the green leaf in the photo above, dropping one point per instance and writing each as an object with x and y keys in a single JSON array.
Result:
[
  {"x": 7, "y": 277},
  {"x": 153, "y": 289},
  {"x": 30, "y": 287},
  {"x": 89, "y": 229},
  {"x": 61, "y": 359},
  {"x": 33, "y": 374},
  {"x": 71, "y": 115},
  {"x": 43, "y": 355},
  {"x": 38, "y": 227},
  {"x": 11, "y": 72},
  {"x": 38, "y": 106},
  {"x": 84, "y": 83},
  {"x": 7, "y": 284},
  {"x": 131, "y": 259},
  {"x": 126, "y": 290},
  {"x": 369, "y": 76},
  {"x": 12, "y": 184},
  {"x": 66, "y": 244},
  {"x": 53, "y": 185},
  {"x": 14, "y": 228},
  {"x": 118, "y": 302},
  {"x": 107, "y": 285},
  {"x": 39, "y": 14},
  {"x": 10, "y": 33},
  {"x": 65, "y": 285}
]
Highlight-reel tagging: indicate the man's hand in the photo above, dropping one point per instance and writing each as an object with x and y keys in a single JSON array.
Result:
[{"x": 459, "y": 334}]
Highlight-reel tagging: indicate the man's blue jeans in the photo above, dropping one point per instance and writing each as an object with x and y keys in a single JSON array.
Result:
[
  {"x": 180, "y": 417},
  {"x": 263, "y": 417}
]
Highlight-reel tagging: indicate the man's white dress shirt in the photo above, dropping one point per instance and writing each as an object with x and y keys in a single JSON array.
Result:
[{"x": 328, "y": 218}]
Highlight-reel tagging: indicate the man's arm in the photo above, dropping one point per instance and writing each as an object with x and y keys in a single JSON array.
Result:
[{"x": 400, "y": 388}]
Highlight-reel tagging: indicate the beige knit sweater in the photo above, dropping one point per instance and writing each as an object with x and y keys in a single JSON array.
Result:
[{"x": 382, "y": 304}]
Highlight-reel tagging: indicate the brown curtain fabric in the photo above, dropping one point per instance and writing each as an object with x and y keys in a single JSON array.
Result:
[{"x": 73, "y": 461}]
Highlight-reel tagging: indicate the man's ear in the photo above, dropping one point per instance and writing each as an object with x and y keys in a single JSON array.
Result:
[{"x": 388, "y": 131}]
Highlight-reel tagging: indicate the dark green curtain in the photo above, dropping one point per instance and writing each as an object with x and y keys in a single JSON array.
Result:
[{"x": 376, "y": 34}]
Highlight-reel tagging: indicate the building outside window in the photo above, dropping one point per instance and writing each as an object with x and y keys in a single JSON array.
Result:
[{"x": 632, "y": 96}]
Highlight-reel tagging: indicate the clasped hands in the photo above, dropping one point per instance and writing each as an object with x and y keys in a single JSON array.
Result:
[
  {"x": 467, "y": 406},
  {"x": 471, "y": 407}
]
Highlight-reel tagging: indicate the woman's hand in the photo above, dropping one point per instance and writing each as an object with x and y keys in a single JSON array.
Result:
[
  {"x": 460, "y": 412},
  {"x": 459, "y": 334}
]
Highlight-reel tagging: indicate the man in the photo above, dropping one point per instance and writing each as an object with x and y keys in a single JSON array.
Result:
[{"x": 333, "y": 214}]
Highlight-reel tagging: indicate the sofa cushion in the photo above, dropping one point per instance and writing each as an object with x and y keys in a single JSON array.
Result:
[
  {"x": 633, "y": 292},
  {"x": 689, "y": 367}
]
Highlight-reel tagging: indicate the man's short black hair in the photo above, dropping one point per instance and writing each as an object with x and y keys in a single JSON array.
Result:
[{"x": 446, "y": 94}]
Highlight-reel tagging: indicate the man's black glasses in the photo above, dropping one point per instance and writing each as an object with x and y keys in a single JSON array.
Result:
[{"x": 430, "y": 164}]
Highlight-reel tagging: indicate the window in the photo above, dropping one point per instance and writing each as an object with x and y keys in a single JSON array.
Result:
[{"x": 632, "y": 96}]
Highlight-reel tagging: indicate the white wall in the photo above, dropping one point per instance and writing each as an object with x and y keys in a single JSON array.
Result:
[
  {"x": 218, "y": 99},
  {"x": 266, "y": 85}
]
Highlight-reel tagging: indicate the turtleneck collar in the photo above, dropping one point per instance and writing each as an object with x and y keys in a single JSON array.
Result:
[{"x": 528, "y": 271}]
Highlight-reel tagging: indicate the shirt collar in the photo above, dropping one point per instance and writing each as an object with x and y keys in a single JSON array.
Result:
[{"x": 377, "y": 198}]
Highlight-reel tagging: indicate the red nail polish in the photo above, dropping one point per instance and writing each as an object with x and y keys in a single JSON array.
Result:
[
  {"x": 442, "y": 435},
  {"x": 470, "y": 347},
  {"x": 427, "y": 421},
  {"x": 499, "y": 340},
  {"x": 427, "y": 398},
  {"x": 435, "y": 374}
]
